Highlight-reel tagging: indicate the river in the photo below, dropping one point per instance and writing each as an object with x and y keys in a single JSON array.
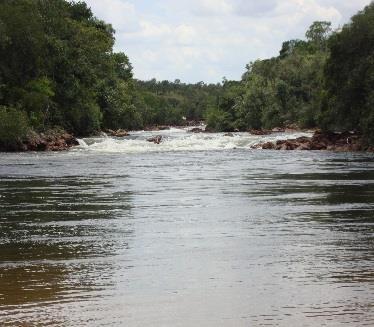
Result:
[{"x": 197, "y": 231}]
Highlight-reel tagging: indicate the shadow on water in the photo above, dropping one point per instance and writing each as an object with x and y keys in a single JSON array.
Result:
[{"x": 57, "y": 236}]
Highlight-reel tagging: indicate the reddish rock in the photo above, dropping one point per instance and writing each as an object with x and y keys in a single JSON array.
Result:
[
  {"x": 268, "y": 146},
  {"x": 303, "y": 147},
  {"x": 347, "y": 141},
  {"x": 50, "y": 141}
]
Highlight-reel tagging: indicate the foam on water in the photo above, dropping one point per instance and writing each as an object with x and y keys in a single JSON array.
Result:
[{"x": 178, "y": 140}]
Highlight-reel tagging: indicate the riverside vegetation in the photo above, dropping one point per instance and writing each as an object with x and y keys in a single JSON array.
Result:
[{"x": 58, "y": 72}]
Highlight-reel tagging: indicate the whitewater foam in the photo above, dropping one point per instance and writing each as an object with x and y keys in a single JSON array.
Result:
[{"x": 178, "y": 140}]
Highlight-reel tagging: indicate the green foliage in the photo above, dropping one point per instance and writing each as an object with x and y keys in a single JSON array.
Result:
[
  {"x": 284, "y": 90},
  {"x": 164, "y": 102},
  {"x": 318, "y": 34},
  {"x": 219, "y": 120},
  {"x": 58, "y": 64},
  {"x": 14, "y": 127},
  {"x": 350, "y": 76}
]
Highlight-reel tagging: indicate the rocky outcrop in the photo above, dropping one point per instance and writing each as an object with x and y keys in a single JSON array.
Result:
[
  {"x": 155, "y": 139},
  {"x": 53, "y": 140},
  {"x": 117, "y": 133},
  {"x": 330, "y": 141}
]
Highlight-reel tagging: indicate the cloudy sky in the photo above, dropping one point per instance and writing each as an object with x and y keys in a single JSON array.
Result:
[{"x": 205, "y": 40}]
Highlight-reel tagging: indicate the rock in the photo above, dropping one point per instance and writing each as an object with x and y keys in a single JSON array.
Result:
[
  {"x": 303, "y": 147},
  {"x": 229, "y": 134},
  {"x": 292, "y": 128},
  {"x": 196, "y": 130},
  {"x": 209, "y": 130},
  {"x": 259, "y": 132},
  {"x": 53, "y": 140},
  {"x": 163, "y": 128},
  {"x": 318, "y": 146},
  {"x": 331, "y": 141},
  {"x": 117, "y": 133},
  {"x": 356, "y": 147},
  {"x": 277, "y": 130},
  {"x": 156, "y": 139},
  {"x": 268, "y": 146}
]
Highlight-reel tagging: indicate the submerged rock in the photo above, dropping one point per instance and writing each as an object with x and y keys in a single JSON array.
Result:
[{"x": 156, "y": 139}]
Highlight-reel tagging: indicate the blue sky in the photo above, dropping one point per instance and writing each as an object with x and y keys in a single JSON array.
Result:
[{"x": 205, "y": 40}]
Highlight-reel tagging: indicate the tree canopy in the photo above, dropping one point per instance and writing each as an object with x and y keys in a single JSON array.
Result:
[{"x": 350, "y": 76}]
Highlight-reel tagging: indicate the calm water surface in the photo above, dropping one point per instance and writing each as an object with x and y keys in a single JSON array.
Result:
[{"x": 200, "y": 231}]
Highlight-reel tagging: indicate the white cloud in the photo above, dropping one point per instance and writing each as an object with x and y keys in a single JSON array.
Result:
[
  {"x": 198, "y": 40},
  {"x": 211, "y": 7},
  {"x": 121, "y": 14}
]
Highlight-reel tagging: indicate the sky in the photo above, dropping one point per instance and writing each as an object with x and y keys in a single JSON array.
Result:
[{"x": 206, "y": 40}]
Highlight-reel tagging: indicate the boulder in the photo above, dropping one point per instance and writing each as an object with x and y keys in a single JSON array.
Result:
[
  {"x": 268, "y": 146},
  {"x": 259, "y": 132},
  {"x": 155, "y": 139}
]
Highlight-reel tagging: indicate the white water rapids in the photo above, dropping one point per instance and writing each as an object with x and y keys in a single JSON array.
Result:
[{"x": 178, "y": 139}]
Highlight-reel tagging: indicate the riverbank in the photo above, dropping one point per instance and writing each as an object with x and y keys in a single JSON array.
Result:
[
  {"x": 51, "y": 140},
  {"x": 329, "y": 141}
]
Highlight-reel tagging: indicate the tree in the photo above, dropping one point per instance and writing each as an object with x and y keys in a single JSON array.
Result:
[
  {"x": 350, "y": 76},
  {"x": 318, "y": 34}
]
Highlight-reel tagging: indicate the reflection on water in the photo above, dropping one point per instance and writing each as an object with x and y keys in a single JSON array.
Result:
[
  {"x": 205, "y": 238},
  {"x": 51, "y": 232}
]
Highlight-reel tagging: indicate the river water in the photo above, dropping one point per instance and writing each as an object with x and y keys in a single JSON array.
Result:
[{"x": 197, "y": 231}]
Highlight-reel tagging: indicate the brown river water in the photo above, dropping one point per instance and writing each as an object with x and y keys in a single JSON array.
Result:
[{"x": 198, "y": 231}]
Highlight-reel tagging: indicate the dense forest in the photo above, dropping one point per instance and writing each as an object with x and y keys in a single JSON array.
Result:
[{"x": 58, "y": 70}]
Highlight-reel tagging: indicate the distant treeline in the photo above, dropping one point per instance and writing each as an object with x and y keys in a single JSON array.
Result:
[
  {"x": 58, "y": 69},
  {"x": 171, "y": 103}
]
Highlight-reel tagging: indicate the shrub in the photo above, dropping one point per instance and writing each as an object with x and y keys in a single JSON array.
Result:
[{"x": 14, "y": 127}]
